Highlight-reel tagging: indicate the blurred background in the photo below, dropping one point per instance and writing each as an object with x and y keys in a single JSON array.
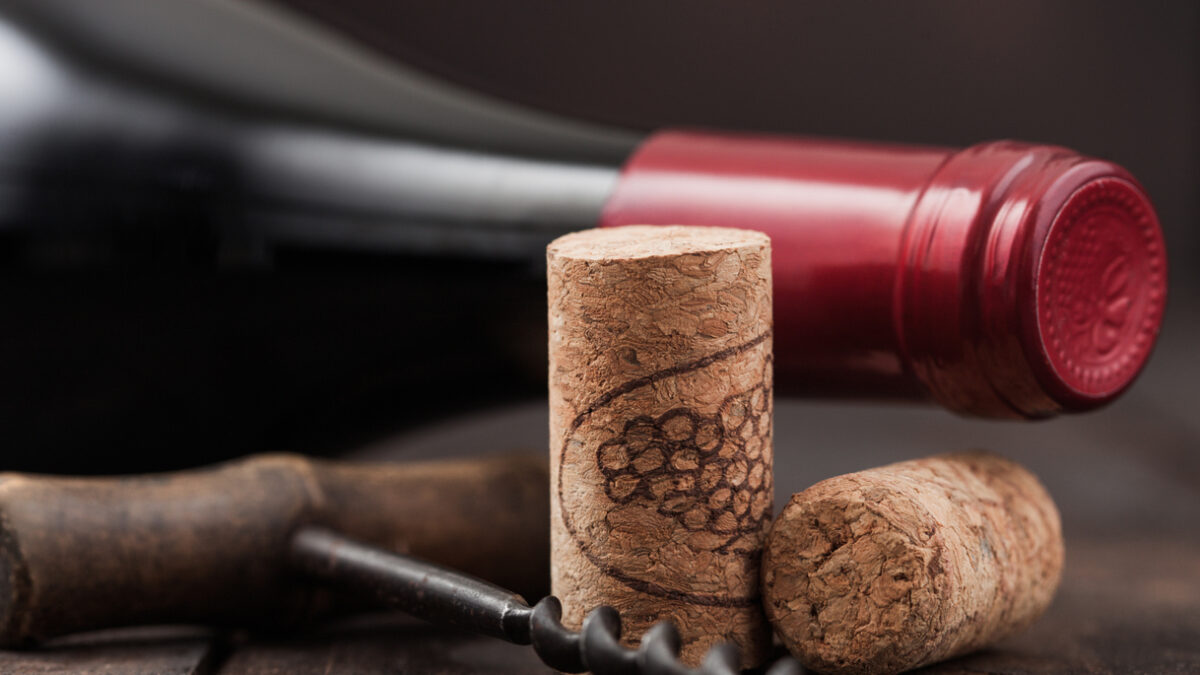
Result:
[{"x": 234, "y": 227}]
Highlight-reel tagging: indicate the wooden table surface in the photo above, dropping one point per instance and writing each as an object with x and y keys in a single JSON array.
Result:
[{"x": 1127, "y": 480}]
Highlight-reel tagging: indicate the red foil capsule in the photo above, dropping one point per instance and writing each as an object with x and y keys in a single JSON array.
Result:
[{"x": 1003, "y": 280}]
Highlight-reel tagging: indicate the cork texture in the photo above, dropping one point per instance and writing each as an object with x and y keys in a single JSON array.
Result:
[
  {"x": 660, "y": 426},
  {"x": 897, "y": 567}
]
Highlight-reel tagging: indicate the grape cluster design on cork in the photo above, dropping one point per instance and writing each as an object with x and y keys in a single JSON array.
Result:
[{"x": 708, "y": 472}]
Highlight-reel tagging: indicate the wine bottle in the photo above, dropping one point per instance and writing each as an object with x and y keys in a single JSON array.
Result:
[{"x": 1002, "y": 280}]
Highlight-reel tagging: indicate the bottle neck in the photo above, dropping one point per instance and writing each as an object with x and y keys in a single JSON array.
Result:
[{"x": 836, "y": 212}]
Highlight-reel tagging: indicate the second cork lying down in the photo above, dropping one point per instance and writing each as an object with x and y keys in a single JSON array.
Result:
[
  {"x": 660, "y": 382},
  {"x": 905, "y": 565}
]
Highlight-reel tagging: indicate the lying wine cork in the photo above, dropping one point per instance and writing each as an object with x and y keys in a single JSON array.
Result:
[
  {"x": 660, "y": 427},
  {"x": 897, "y": 567}
]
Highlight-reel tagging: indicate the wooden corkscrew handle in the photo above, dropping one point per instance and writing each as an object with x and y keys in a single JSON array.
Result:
[{"x": 209, "y": 545}]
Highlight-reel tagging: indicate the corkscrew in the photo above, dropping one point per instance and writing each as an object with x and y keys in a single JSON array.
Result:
[{"x": 442, "y": 595}]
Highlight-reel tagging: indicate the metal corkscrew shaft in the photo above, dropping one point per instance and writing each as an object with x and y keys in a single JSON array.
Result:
[{"x": 442, "y": 595}]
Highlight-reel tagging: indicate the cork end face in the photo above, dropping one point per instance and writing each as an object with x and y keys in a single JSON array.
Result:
[
  {"x": 1101, "y": 286},
  {"x": 633, "y": 242},
  {"x": 847, "y": 590}
]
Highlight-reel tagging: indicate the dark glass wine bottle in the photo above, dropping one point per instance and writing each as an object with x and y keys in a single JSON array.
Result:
[{"x": 265, "y": 283}]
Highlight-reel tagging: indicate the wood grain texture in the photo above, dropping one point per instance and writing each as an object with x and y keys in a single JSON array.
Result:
[
  {"x": 660, "y": 404},
  {"x": 133, "y": 651},
  {"x": 384, "y": 644},
  {"x": 1127, "y": 604}
]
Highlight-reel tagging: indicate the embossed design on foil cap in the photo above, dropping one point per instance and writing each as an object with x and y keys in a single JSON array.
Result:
[{"x": 1101, "y": 287}]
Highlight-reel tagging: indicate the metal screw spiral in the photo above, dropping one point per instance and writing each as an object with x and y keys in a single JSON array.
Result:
[
  {"x": 597, "y": 648},
  {"x": 442, "y": 595}
]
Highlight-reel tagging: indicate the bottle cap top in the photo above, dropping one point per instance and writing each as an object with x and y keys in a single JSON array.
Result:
[
  {"x": 1100, "y": 291},
  {"x": 1034, "y": 281}
]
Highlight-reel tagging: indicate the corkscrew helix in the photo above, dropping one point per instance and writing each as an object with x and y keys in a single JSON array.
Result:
[{"x": 445, "y": 596}]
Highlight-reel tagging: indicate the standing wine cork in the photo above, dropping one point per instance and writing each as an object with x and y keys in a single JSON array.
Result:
[
  {"x": 660, "y": 430},
  {"x": 897, "y": 567}
]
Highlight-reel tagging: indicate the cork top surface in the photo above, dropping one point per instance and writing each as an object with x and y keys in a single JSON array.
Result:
[{"x": 632, "y": 242}]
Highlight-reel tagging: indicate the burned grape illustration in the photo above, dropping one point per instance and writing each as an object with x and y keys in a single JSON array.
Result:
[{"x": 708, "y": 472}]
